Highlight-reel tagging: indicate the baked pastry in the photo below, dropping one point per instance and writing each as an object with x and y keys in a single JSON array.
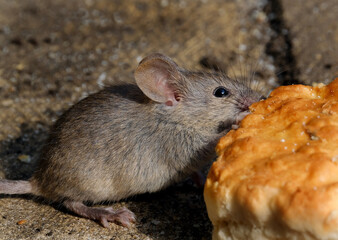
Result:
[{"x": 277, "y": 174}]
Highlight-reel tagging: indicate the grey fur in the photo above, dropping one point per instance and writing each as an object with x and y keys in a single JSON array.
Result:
[{"x": 118, "y": 142}]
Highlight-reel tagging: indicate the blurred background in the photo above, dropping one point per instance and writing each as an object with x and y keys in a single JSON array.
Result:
[{"x": 54, "y": 53}]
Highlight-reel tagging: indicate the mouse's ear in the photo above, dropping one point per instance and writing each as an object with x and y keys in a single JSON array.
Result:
[{"x": 155, "y": 75}]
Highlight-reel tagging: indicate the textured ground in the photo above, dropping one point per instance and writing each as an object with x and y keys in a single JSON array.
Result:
[{"x": 53, "y": 53}]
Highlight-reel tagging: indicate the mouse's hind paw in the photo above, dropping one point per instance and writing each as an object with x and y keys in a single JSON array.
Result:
[{"x": 121, "y": 216}]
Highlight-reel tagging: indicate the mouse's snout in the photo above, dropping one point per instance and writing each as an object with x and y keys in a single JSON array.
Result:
[
  {"x": 248, "y": 101},
  {"x": 244, "y": 106}
]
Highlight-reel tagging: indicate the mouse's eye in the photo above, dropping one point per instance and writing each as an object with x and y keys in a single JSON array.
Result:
[{"x": 221, "y": 92}]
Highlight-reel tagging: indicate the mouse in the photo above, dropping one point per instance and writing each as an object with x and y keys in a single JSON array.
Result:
[{"x": 129, "y": 139}]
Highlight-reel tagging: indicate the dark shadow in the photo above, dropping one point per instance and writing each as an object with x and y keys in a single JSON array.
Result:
[
  {"x": 177, "y": 212},
  {"x": 280, "y": 45},
  {"x": 18, "y": 157}
]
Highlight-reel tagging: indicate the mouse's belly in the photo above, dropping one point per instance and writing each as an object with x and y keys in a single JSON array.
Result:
[
  {"x": 99, "y": 189},
  {"x": 96, "y": 183}
]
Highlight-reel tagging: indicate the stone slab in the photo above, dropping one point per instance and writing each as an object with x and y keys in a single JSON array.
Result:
[{"x": 313, "y": 31}]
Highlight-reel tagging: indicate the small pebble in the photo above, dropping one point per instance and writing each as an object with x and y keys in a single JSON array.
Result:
[
  {"x": 25, "y": 158},
  {"x": 21, "y": 222}
]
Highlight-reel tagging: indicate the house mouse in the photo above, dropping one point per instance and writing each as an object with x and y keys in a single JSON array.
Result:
[{"x": 135, "y": 138}]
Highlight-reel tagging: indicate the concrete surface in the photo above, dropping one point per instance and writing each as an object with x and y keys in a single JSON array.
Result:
[
  {"x": 313, "y": 33},
  {"x": 53, "y": 53}
]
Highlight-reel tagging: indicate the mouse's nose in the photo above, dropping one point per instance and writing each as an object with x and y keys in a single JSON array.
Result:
[{"x": 247, "y": 101}]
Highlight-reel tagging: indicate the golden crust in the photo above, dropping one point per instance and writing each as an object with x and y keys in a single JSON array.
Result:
[{"x": 277, "y": 175}]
